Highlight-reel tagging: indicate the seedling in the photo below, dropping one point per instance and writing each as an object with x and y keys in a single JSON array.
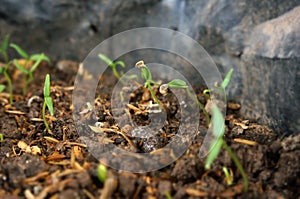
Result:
[
  {"x": 4, "y": 71},
  {"x": 218, "y": 128},
  {"x": 146, "y": 74},
  {"x": 223, "y": 86},
  {"x": 180, "y": 84},
  {"x": 47, "y": 102},
  {"x": 101, "y": 173},
  {"x": 113, "y": 65},
  {"x": 228, "y": 175},
  {"x": 1, "y": 137},
  {"x": 28, "y": 72}
]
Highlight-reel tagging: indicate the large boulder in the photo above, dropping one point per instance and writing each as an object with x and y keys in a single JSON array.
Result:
[
  {"x": 260, "y": 40},
  {"x": 272, "y": 91}
]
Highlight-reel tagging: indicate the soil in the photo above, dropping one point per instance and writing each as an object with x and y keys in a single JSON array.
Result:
[{"x": 36, "y": 164}]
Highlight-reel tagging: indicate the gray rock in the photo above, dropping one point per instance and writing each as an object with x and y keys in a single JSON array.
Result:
[
  {"x": 68, "y": 29},
  {"x": 270, "y": 92},
  {"x": 258, "y": 38},
  {"x": 276, "y": 38},
  {"x": 271, "y": 86}
]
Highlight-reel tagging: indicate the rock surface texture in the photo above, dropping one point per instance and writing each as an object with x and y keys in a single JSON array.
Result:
[{"x": 260, "y": 39}]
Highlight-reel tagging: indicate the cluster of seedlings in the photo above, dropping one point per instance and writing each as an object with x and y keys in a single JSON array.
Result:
[
  {"x": 26, "y": 65},
  {"x": 29, "y": 63},
  {"x": 216, "y": 120}
]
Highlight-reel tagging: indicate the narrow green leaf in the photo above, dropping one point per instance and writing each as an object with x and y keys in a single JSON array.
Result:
[
  {"x": 218, "y": 122},
  {"x": 218, "y": 128},
  {"x": 1, "y": 69},
  {"x": 4, "y": 44},
  {"x": 21, "y": 68},
  {"x": 177, "y": 83},
  {"x": 102, "y": 173},
  {"x": 35, "y": 65},
  {"x": 121, "y": 63},
  {"x": 146, "y": 74},
  {"x": 42, "y": 57},
  {"x": 107, "y": 61},
  {"x": 49, "y": 104},
  {"x": 47, "y": 86},
  {"x": 1, "y": 137},
  {"x": 2, "y": 87},
  {"x": 21, "y": 52},
  {"x": 227, "y": 79},
  {"x": 213, "y": 153}
]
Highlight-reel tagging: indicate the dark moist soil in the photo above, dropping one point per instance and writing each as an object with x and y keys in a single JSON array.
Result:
[{"x": 36, "y": 164}]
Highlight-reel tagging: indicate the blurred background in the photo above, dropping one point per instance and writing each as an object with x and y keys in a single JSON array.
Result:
[{"x": 260, "y": 39}]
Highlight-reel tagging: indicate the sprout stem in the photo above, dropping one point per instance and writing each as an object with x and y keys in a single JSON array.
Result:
[
  {"x": 44, "y": 118},
  {"x": 238, "y": 164},
  {"x": 200, "y": 105}
]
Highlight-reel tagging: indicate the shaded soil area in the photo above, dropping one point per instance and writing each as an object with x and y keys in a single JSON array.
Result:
[{"x": 36, "y": 164}]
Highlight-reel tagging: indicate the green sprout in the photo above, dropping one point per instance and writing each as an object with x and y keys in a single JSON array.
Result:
[
  {"x": 218, "y": 128},
  {"x": 113, "y": 65},
  {"x": 227, "y": 79},
  {"x": 4, "y": 71},
  {"x": 1, "y": 137},
  {"x": 228, "y": 176},
  {"x": 223, "y": 86},
  {"x": 28, "y": 73},
  {"x": 146, "y": 74},
  {"x": 47, "y": 102},
  {"x": 180, "y": 84},
  {"x": 101, "y": 173}
]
